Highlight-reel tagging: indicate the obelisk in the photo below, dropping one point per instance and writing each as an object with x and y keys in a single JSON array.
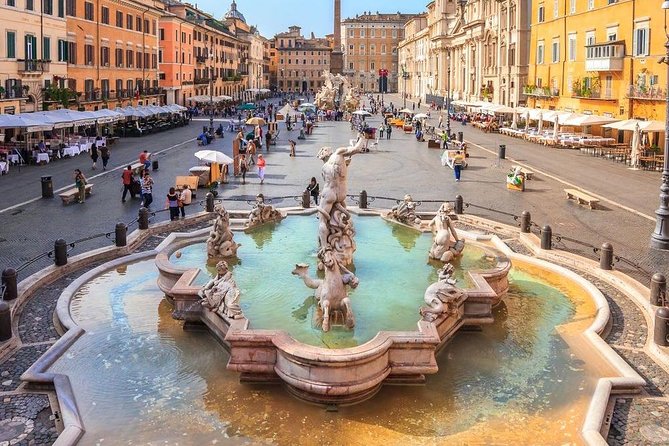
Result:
[{"x": 337, "y": 57}]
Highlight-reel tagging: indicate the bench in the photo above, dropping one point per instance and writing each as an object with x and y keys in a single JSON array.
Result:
[
  {"x": 528, "y": 173},
  {"x": 581, "y": 198},
  {"x": 73, "y": 194}
]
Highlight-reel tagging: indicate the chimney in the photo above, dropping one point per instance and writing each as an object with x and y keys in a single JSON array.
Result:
[{"x": 312, "y": 35}]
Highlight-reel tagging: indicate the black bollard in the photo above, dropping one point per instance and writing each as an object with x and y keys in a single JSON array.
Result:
[
  {"x": 143, "y": 218},
  {"x": 5, "y": 322},
  {"x": 60, "y": 252},
  {"x": 661, "y": 333},
  {"x": 209, "y": 204},
  {"x": 658, "y": 289},
  {"x": 525, "y": 222},
  {"x": 121, "y": 235},
  {"x": 606, "y": 257},
  {"x": 459, "y": 205},
  {"x": 461, "y": 137},
  {"x": 9, "y": 281},
  {"x": 501, "y": 153},
  {"x": 546, "y": 237},
  {"x": 306, "y": 199},
  {"x": 154, "y": 165},
  {"x": 363, "y": 199},
  {"x": 47, "y": 187}
]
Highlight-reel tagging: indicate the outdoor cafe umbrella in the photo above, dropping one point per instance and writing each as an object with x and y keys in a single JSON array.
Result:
[
  {"x": 585, "y": 120},
  {"x": 636, "y": 146},
  {"x": 421, "y": 116},
  {"x": 540, "y": 125},
  {"x": 630, "y": 124},
  {"x": 406, "y": 110},
  {"x": 213, "y": 156},
  {"x": 362, "y": 113},
  {"x": 256, "y": 121}
]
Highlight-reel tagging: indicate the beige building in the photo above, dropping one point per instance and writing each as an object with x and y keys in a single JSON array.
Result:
[
  {"x": 370, "y": 44},
  {"x": 252, "y": 60},
  {"x": 32, "y": 39},
  {"x": 484, "y": 44},
  {"x": 301, "y": 61}
]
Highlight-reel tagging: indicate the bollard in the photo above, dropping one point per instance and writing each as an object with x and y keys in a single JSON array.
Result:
[
  {"x": 461, "y": 137},
  {"x": 209, "y": 206},
  {"x": 154, "y": 165},
  {"x": 363, "y": 199},
  {"x": 143, "y": 218},
  {"x": 658, "y": 289},
  {"x": 546, "y": 237},
  {"x": 525, "y": 222},
  {"x": 60, "y": 252},
  {"x": 306, "y": 199},
  {"x": 459, "y": 205},
  {"x": 47, "y": 187},
  {"x": 9, "y": 281},
  {"x": 606, "y": 257},
  {"x": 121, "y": 235},
  {"x": 501, "y": 153},
  {"x": 5, "y": 322},
  {"x": 661, "y": 333}
]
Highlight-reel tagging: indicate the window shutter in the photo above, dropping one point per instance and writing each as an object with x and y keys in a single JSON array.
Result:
[
  {"x": 646, "y": 50},
  {"x": 634, "y": 42}
]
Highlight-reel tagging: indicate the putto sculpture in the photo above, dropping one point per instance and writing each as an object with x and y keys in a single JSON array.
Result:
[
  {"x": 220, "y": 243},
  {"x": 405, "y": 212},
  {"x": 331, "y": 295},
  {"x": 446, "y": 244},
  {"x": 442, "y": 297},
  {"x": 221, "y": 294},
  {"x": 262, "y": 213}
]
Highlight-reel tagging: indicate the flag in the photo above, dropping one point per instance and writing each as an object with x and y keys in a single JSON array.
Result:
[{"x": 136, "y": 91}]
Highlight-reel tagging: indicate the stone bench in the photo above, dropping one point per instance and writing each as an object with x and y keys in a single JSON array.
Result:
[
  {"x": 581, "y": 198},
  {"x": 73, "y": 194},
  {"x": 528, "y": 173}
]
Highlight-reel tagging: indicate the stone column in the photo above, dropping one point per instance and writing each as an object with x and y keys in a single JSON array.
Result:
[{"x": 337, "y": 57}]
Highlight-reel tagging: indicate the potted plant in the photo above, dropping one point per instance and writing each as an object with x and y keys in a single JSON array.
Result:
[{"x": 2, "y": 92}]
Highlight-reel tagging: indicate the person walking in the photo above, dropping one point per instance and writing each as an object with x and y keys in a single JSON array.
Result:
[
  {"x": 128, "y": 179},
  {"x": 292, "y": 147},
  {"x": 185, "y": 199},
  {"x": 261, "y": 168},
  {"x": 94, "y": 155},
  {"x": 441, "y": 121},
  {"x": 104, "y": 154},
  {"x": 458, "y": 161},
  {"x": 313, "y": 189},
  {"x": 147, "y": 189},
  {"x": 381, "y": 129},
  {"x": 251, "y": 150},
  {"x": 173, "y": 204},
  {"x": 389, "y": 130},
  {"x": 243, "y": 167},
  {"x": 80, "y": 182}
]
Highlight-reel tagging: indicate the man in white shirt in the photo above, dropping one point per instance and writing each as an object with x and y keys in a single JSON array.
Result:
[{"x": 185, "y": 199}]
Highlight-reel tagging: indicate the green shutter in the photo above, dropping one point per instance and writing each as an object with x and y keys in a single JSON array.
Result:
[
  {"x": 11, "y": 45},
  {"x": 46, "y": 48},
  {"x": 34, "y": 52}
]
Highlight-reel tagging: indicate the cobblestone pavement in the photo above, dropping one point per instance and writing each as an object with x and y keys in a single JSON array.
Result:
[{"x": 396, "y": 167}]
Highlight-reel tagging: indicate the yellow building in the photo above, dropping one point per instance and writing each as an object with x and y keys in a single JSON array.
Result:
[{"x": 599, "y": 57}]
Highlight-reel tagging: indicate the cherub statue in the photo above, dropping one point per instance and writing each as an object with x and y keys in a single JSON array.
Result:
[
  {"x": 221, "y": 294},
  {"x": 446, "y": 244},
  {"x": 262, "y": 213},
  {"x": 405, "y": 212},
  {"x": 442, "y": 296},
  {"x": 220, "y": 242}
]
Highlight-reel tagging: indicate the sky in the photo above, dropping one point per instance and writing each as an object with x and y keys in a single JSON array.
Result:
[{"x": 275, "y": 16}]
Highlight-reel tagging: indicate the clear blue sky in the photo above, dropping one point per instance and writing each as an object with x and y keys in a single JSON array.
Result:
[{"x": 275, "y": 16}]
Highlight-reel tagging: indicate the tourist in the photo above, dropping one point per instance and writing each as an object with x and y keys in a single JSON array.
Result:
[
  {"x": 80, "y": 182},
  {"x": 381, "y": 129},
  {"x": 128, "y": 180},
  {"x": 243, "y": 167},
  {"x": 251, "y": 150},
  {"x": 41, "y": 146},
  {"x": 94, "y": 155},
  {"x": 313, "y": 189},
  {"x": 185, "y": 199},
  {"x": 104, "y": 154},
  {"x": 268, "y": 140},
  {"x": 173, "y": 204},
  {"x": 458, "y": 161},
  {"x": 441, "y": 121},
  {"x": 292, "y": 147},
  {"x": 147, "y": 189},
  {"x": 261, "y": 168},
  {"x": 389, "y": 130},
  {"x": 145, "y": 159}
]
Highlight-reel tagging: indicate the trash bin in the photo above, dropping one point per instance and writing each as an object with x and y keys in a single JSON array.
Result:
[
  {"x": 502, "y": 151},
  {"x": 154, "y": 165},
  {"x": 47, "y": 187},
  {"x": 461, "y": 137}
]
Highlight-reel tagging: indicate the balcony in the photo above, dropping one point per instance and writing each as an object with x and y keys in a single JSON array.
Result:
[
  {"x": 91, "y": 96},
  {"x": 541, "y": 92},
  {"x": 593, "y": 95},
  {"x": 606, "y": 56},
  {"x": 201, "y": 80},
  {"x": 33, "y": 66},
  {"x": 201, "y": 59},
  {"x": 643, "y": 93}
]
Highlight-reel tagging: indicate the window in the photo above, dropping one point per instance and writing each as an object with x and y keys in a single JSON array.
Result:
[
  {"x": 131, "y": 91},
  {"x": 61, "y": 8},
  {"x": 350, "y": 33},
  {"x": 139, "y": 24},
  {"x": 62, "y": 50},
  {"x": 394, "y": 34},
  {"x": 71, "y": 7},
  {"x": 555, "y": 58},
  {"x": 372, "y": 66},
  {"x": 89, "y": 56},
  {"x": 572, "y": 47},
  {"x": 641, "y": 40},
  {"x": 30, "y": 47},
  {"x": 383, "y": 49},
  {"x": 572, "y": 6},
  {"x": 46, "y": 48},
  {"x": 591, "y": 5},
  {"x": 119, "y": 57},
  {"x": 556, "y": 9},
  {"x": 128, "y": 21},
  {"x": 540, "y": 53},
  {"x": 154, "y": 27},
  {"x": 350, "y": 65},
  {"x": 71, "y": 53},
  {"x": 154, "y": 60},
  {"x": 162, "y": 34},
  {"x": 11, "y": 3},
  {"x": 104, "y": 86},
  {"x": 541, "y": 14},
  {"x": 105, "y": 15},
  {"x": 129, "y": 58},
  {"x": 88, "y": 11},
  {"x": 362, "y": 33},
  {"x": 104, "y": 56},
  {"x": 119, "y": 19},
  {"x": 138, "y": 57},
  {"x": 30, "y": 5},
  {"x": 11, "y": 44},
  {"x": 119, "y": 87},
  {"x": 146, "y": 26}
]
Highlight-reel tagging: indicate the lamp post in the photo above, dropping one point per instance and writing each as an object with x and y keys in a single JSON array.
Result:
[
  {"x": 448, "y": 92},
  {"x": 405, "y": 76},
  {"x": 211, "y": 89},
  {"x": 660, "y": 237}
]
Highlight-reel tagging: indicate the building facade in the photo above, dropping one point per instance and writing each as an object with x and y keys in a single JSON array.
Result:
[
  {"x": 482, "y": 44},
  {"x": 370, "y": 44},
  {"x": 301, "y": 61},
  {"x": 252, "y": 62},
  {"x": 112, "y": 52},
  {"x": 33, "y": 33},
  {"x": 598, "y": 57},
  {"x": 176, "y": 58}
]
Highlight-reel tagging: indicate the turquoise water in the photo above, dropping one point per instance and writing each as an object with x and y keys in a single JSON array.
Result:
[
  {"x": 140, "y": 379},
  {"x": 391, "y": 262}
]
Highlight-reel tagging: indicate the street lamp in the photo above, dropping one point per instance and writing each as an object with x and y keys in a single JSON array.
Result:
[
  {"x": 660, "y": 237},
  {"x": 405, "y": 76},
  {"x": 448, "y": 92}
]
